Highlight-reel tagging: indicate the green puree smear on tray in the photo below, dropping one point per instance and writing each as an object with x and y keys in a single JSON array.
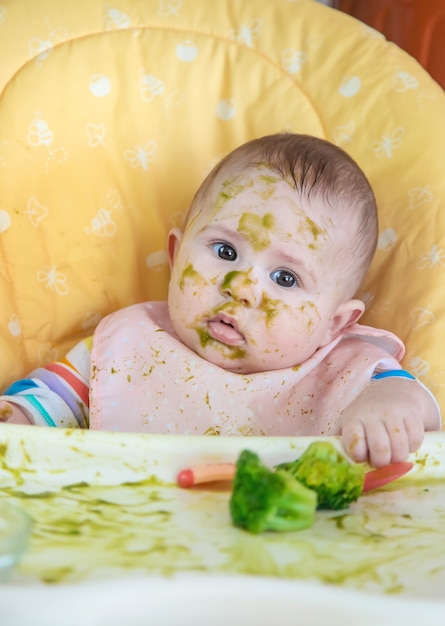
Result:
[{"x": 96, "y": 532}]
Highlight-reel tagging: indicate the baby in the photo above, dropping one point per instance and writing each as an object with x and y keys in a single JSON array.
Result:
[{"x": 259, "y": 335}]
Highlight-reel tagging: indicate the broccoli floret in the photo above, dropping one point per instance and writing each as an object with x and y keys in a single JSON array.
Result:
[
  {"x": 263, "y": 499},
  {"x": 321, "y": 467}
]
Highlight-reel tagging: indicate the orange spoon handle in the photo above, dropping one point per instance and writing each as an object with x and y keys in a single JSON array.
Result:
[
  {"x": 207, "y": 473},
  {"x": 212, "y": 472}
]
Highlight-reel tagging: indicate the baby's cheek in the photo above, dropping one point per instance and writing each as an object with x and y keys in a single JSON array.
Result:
[
  {"x": 272, "y": 309},
  {"x": 306, "y": 317},
  {"x": 190, "y": 278}
]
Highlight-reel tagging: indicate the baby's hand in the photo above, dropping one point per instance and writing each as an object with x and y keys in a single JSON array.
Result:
[
  {"x": 387, "y": 421},
  {"x": 12, "y": 414}
]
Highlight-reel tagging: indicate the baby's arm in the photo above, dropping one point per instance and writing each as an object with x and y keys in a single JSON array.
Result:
[
  {"x": 54, "y": 395},
  {"x": 388, "y": 420}
]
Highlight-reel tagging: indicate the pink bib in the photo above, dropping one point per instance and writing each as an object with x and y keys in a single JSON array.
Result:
[{"x": 143, "y": 379}]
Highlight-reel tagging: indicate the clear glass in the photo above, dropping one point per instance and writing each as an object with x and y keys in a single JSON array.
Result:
[{"x": 15, "y": 527}]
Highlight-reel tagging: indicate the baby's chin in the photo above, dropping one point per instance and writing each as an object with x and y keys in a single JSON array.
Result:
[
  {"x": 245, "y": 368},
  {"x": 231, "y": 359},
  {"x": 232, "y": 364}
]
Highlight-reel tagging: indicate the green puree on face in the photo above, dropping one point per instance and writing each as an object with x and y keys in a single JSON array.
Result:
[{"x": 256, "y": 229}]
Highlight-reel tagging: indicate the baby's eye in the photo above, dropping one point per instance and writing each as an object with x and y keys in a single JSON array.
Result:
[
  {"x": 225, "y": 251},
  {"x": 284, "y": 278}
]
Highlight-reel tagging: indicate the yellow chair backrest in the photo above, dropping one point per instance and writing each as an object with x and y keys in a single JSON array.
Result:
[{"x": 112, "y": 113}]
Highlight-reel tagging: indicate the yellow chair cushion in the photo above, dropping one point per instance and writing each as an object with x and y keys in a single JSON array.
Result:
[{"x": 112, "y": 113}]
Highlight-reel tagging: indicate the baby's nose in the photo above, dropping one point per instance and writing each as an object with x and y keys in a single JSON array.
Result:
[{"x": 241, "y": 286}]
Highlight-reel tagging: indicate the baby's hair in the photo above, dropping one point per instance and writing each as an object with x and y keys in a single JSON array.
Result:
[{"x": 314, "y": 167}]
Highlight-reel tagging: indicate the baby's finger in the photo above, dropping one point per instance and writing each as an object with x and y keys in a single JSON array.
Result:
[
  {"x": 399, "y": 441},
  {"x": 415, "y": 431},
  {"x": 379, "y": 444},
  {"x": 353, "y": 438}
]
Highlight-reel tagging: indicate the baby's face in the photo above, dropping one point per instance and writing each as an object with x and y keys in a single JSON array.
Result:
[{"x": 254, "y": 284}]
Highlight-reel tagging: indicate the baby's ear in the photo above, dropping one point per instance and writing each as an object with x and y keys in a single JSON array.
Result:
[
  {"x": 347, "y": 314},
  {"x": 173, "y": 240}
]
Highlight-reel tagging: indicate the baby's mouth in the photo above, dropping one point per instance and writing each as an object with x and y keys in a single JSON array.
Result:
[{"x": 225, "y": 330}]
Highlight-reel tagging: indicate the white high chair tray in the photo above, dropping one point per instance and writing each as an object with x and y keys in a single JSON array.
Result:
[{"x": 115, "y": 540}]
